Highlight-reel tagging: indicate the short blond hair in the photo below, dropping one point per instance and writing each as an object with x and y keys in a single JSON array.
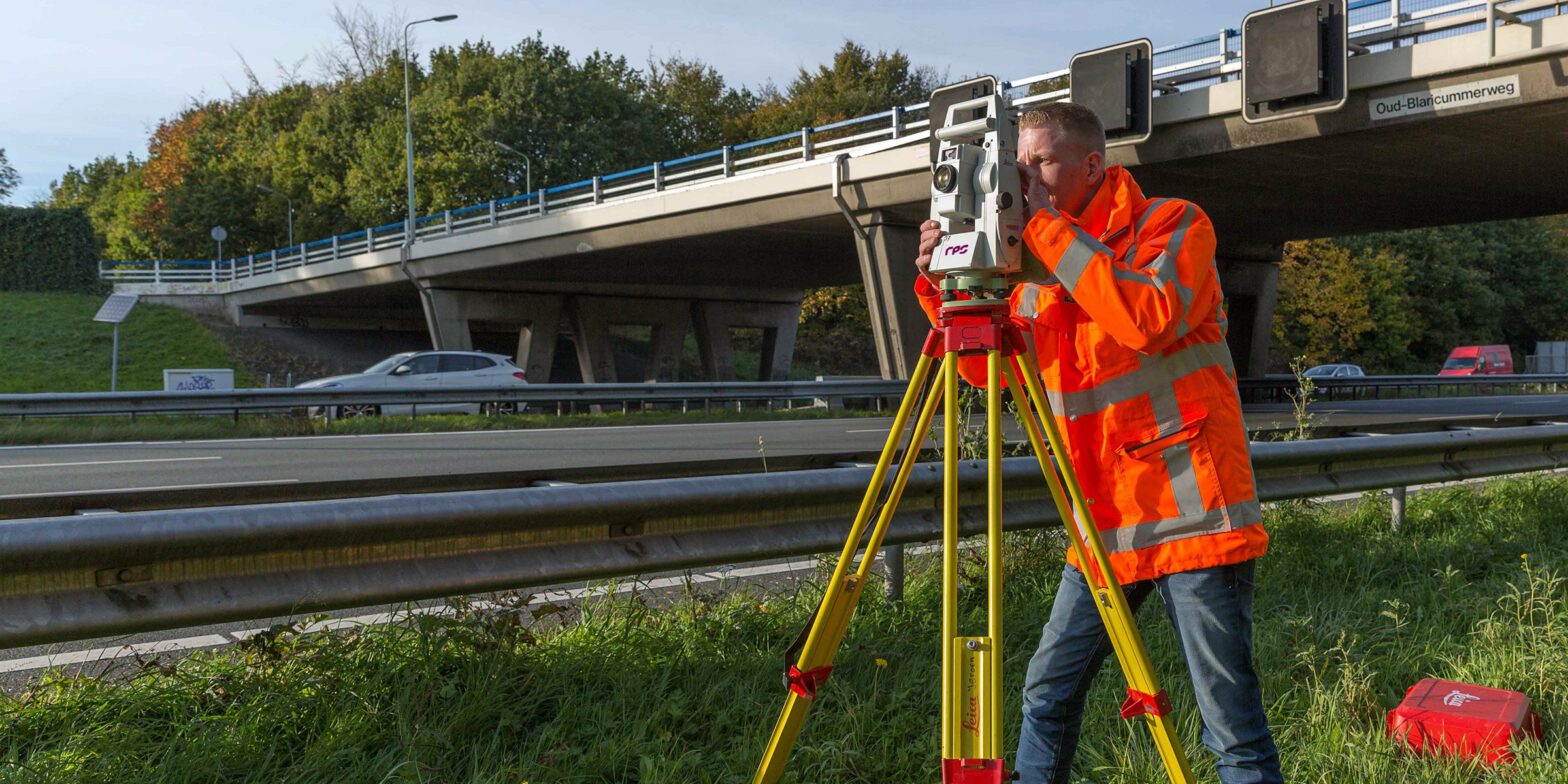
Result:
[{"x": 1075, "y": 121}]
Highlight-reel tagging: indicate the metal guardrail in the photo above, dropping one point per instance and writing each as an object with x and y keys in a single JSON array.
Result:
[
  {"x": 66, "y": 578},
  {"x": 1375, "y": 24},
  {"x": 570, "y": 396},
  {"x": 1279, "y": 390},
  {"x": 97, "y": 403}
]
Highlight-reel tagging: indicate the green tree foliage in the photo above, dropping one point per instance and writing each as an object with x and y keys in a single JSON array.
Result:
[
  {"x": 46, "y": 249},
  {"x": 9, "y": 179},
  {"x": 1498, "y": 282},
  {"x": 857, "y": 83},
  {"x": 835, "y": 332},
  {"x": 336, "y": 147},
  {"x": 1336, "y": 305}
]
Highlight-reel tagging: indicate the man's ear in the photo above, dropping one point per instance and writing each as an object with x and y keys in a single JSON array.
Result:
[{"x": 1094, "y": 165}]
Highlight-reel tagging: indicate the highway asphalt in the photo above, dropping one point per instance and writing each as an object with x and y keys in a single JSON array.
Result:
[{"x": 35, "y": 479}]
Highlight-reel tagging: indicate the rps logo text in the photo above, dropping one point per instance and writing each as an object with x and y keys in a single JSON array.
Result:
[{"x": 955, "y": 250}]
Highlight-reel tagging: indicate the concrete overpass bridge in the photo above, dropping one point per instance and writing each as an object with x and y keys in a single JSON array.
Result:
[{"x": 731, "y": 238}]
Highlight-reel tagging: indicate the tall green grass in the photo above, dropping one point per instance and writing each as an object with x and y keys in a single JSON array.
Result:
[
  {"x": 637, "y": 688},
  {"x": 52, "y": 344}
]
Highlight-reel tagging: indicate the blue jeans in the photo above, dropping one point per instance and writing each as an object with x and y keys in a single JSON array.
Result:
[{"x": 1212, "y": 612}]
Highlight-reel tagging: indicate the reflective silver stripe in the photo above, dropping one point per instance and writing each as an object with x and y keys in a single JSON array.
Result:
[
  {"x": 1164, "y": 269},
  {"x": 1076, "y": 258},
  {"x": 1184, "y": 480},
  {"x": 1134, "y": 276},
  {"x": 1136, "y": 537},
  {"x": 1167, "y": 411},
  {"x": 1156, "y": 370},
  {"x": 1148, "y": 212},
  {"x": 1028, "y": 301}
]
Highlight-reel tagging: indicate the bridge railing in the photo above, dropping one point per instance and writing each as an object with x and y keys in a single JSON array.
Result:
[
  {"x": 1375, "y": 24},
  {"x": 1279, "y": 389}
]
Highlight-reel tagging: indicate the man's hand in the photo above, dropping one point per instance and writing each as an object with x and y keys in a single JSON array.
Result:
[
  {"x": 1036, "y": 197},
  {"x": 930, "y": 235}
]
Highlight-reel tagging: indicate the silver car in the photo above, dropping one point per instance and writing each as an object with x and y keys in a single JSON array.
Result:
[{"x": 412, "y": 370}]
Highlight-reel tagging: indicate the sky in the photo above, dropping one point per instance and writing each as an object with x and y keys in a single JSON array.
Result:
[{"x": 81, "y": 79}]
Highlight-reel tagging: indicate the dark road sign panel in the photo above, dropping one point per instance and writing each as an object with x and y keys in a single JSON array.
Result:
[
  {"x": 1117, "y": 84},
  {"x": 1294, "y": 60}
]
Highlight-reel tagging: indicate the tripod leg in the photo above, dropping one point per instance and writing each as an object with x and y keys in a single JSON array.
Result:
[
  {"x": 843, "y": 589},
  {"x": 950, "y": 458},
  {"x": 973, "y": 752},
  {"x": 1145, "y": 697}
]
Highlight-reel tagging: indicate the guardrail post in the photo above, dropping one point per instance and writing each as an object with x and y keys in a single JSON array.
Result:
[
  {"x": 272, "y": 264},
  {"x": 1396, "y": 20},
  {"x": 658, "y": 176},
  {"x": 729, "y": 161},
  {"x": 893, "y": 561},
  {"x": 598, "y": 189},
  {"x": 447, "y": 217},
  {"x": 806, "y": 152},
  {"x": 541, "y": 201},
  {"x": 157, "y": 270},
  {"x": 492, "y": 212},
  {"x": 334, "y": 246},
  {"x": 370, "y": 240},
  {"x": 898, "y": 121},
  {"x": 1398, "y": 516}
]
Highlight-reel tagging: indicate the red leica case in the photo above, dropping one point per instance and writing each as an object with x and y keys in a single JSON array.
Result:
[{"x": 1449, "y": 718}]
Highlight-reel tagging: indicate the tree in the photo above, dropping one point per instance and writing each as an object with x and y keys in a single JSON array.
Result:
[
  {"x": 856, "y": 84},
  {"x": 9, "y": 179},
  {"x": 1338, "y": 306},
  {"x": 1497, "y": 282}
]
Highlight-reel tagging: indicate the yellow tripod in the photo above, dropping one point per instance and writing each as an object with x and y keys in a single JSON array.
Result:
[{"x": 971, "y": 665}]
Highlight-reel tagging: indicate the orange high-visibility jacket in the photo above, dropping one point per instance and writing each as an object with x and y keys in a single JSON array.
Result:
[{"x": 1129, "y": 336}]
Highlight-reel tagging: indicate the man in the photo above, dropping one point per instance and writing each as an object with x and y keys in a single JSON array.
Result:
[{"x": 1129, "y": 336}]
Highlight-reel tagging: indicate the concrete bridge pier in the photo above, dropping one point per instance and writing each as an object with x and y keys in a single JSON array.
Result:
[
  {"x": 536, "y": 317},
  {"x": 887, "y": 269},
  {"x": 778, "y": 321},
  {"x": 668, "y": 319},
  {"x": 1249, "y": 276}
]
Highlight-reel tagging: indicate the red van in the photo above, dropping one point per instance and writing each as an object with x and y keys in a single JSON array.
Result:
[{"x": 1478, "y": 361}]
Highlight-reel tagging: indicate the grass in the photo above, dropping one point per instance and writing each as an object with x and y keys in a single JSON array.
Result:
[
  {"x": 1349, "y": 614},
  {"x": 53, "y": 345},
  {"x": 92, "y": 430}
]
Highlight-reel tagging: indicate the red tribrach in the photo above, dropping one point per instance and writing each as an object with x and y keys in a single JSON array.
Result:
[{"x": 1448, "y": 718}]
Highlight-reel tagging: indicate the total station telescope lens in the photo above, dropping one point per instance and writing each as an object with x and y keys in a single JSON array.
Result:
[{"x": 945, "y": 179}]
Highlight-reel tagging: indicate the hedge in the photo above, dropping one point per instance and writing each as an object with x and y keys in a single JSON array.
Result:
[{"x": 46, "y": 249}]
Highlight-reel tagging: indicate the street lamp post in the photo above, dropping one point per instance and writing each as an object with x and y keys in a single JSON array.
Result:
[
  {"x": 291, "y": 210},
  {"x": 408, "y": 124},
  {"x": 528, "y": 164}
]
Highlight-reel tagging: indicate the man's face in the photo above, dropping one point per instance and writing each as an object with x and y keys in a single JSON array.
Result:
[{"x": 1069, "y": 173}]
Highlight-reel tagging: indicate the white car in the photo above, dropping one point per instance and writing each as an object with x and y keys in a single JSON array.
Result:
[
  {"x": 1338, "y": 370},
  {"x": 425, "y": 370}
]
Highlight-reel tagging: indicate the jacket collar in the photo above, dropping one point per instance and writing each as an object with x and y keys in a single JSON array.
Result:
[{"x": 1111, "y": 209}]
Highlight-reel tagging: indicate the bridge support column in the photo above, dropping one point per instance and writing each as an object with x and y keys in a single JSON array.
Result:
[
  {"x": 536, "y": 317},
  {"x": 887, "y": 268},
  {"x": 1250, "y": 280},
  {"x": 778, "y": 321},
  {"x": 592, "y": 317}
]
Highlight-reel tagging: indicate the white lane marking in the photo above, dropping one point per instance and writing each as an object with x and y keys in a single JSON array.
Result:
[
  {"x": 297, "y": 439},
  {"x": 111, "y": 462},
  {"x": 143, "y": 489},
  {"x": 95, "y": 655}
]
